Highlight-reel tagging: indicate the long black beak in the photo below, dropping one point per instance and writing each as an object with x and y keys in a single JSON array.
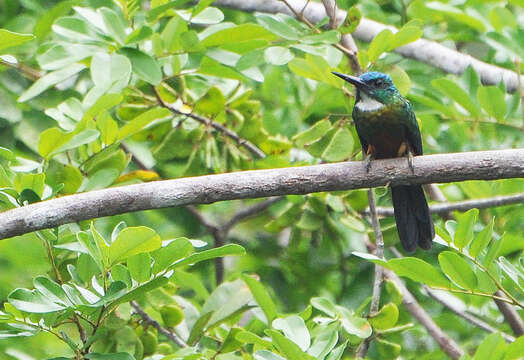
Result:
[{"x": 351, "y": 79}]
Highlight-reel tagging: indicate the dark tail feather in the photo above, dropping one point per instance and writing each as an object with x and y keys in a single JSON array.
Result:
[{"x": 414, "y": 223}]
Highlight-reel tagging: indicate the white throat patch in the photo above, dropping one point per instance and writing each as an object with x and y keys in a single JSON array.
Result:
[{"x": 367, "y": 103}]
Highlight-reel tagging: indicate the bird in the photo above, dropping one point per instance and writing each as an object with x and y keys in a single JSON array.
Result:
[{"x": 387, "y": 128}]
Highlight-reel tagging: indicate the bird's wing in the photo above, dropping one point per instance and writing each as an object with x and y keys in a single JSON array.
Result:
[{"x": 413, "y": 132}]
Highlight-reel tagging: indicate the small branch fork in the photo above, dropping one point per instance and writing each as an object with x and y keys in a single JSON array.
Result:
[
  {"x": 218, "y": 127},
  {"x": 151, "y": 322}
]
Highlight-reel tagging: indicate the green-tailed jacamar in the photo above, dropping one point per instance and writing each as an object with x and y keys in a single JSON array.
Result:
[{"x": 387, "y": 127}]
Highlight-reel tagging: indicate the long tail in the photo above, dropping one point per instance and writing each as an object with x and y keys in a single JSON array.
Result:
[{"x": 414, "y": 223}]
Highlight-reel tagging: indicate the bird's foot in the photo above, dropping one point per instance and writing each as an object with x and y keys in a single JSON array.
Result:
[
  {"x": 410, "y": 162},
  {"x": 367, "y": 162}
]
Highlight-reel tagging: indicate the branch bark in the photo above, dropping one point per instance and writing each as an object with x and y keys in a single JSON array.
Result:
[
  {"x": 435, "y": 294},
  {"x": 444, "y": 208},
  {"x": 510, "y": 315},
  {"x": 481, "y": 165},
  {"x": 429, "y": 52}
]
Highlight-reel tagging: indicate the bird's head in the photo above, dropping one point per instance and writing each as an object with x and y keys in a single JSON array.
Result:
[{"x": 372, "y": 85}]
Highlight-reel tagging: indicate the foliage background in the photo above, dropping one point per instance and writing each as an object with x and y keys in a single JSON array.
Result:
[{"x": 268, "y": 79}]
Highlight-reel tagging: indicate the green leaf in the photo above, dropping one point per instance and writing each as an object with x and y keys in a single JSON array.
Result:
[
  {"x": 211, "y": 103},
  {"x": 109, "y": 356},
  {"x": 132, "y": 241},
  {"x": 325, "y": 305},
  {"x": 144, "y": 66},
  {"x": 457, "y": 14},
  {"x": 354, "y": 325},
  {"x": 50, "y": 140},
  {"x": 101, "y": 179},
  {"x": 491, "y": 98},
  {"x": 139, "y": 291},
  {"x": 50, "y": 79},
  {"x": 401, "y": 80},
  {"x": 294, "y": 328},
  {"x": 388, "y": 349},
  {"x": 325, "y": 37},
  {"x": 386, "y": 318},
  {"x": 380, "y": 44},
  {"x": 350, "y": 24},
  {"x": 165, "y": 256},
  {"x": 404, "y": 36},
  {"x": 139, "y": 266},
  {"x": 457, "y": 94},
  {"x": 493, "y": 251},
  {"x": 309, "y": 221},
  {"x": 464, "y": 233},
  {"x": 515, "y": 349},
  {"x": 114, "y": 24},
  {"x": 278, "y": 27},
  {"x": 312, "y": 134},
  {"x": 337, "y": 353},
  {"x": 33, "y": 302},
  {"x": 340, "y": 146},
  {"x": 418, "y": 270},
  {"x": 288, "y": 348},
  {"x": 458, "y": 270},
  {"x": 278, "y": 55},
  {"x": 226, "y": 250},
  {"x": 158, "y": 11},
  {"x": 212, "y": 67},
  {"x": 324, "y": 342},
  {"x": 82, "y": 138},
  {"x": 493, "y": 347},
  {"x": 501, "y": 17},
  {"x": 236, "y": 34},
  {"x": 262, "y": 297},
  {"x": 248, "y": 337},
  {"x": 198, "y": 328},
  {"x": 142, "y": 120},
  {"x": 9, "y": 39}
]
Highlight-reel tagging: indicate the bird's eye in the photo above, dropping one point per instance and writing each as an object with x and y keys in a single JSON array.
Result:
[{"x": 379, "y": 82}]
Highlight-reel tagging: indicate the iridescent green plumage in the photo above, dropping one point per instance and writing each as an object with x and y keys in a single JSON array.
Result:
[{"x": 387, "y": 128}]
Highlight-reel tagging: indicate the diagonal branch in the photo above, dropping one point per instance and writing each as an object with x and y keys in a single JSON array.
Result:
[
  {"x": 426, "y": 51},
  {"x": 435, "y": 294},
  {"x": 346, "y": 40},
  {"x": 218, "y": 127},
  {"x": 480, "y": 165},
  {"x": 152, "y": 322},
  {"x": 447, "y": 344}
]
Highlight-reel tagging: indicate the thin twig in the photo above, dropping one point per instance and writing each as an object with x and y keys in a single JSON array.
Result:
[
  {"x": 250, "y": 211},
  {"x": 465, "y": 315},
  {"x": 379, "y": 270},
  {"x": 346, "y": 40},
  {"x": 151, "y": 322},
  {"x": 462, "y": 206},
  {"x": 219, "y": 127},
  {"x": 29, "y": 72}
]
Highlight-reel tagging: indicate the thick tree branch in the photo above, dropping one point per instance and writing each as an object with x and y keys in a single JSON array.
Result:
[
  {"x": 481, "y": 165},
  {"x": 423, "y": 50},
  {"x": 444, "y": 208}
]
